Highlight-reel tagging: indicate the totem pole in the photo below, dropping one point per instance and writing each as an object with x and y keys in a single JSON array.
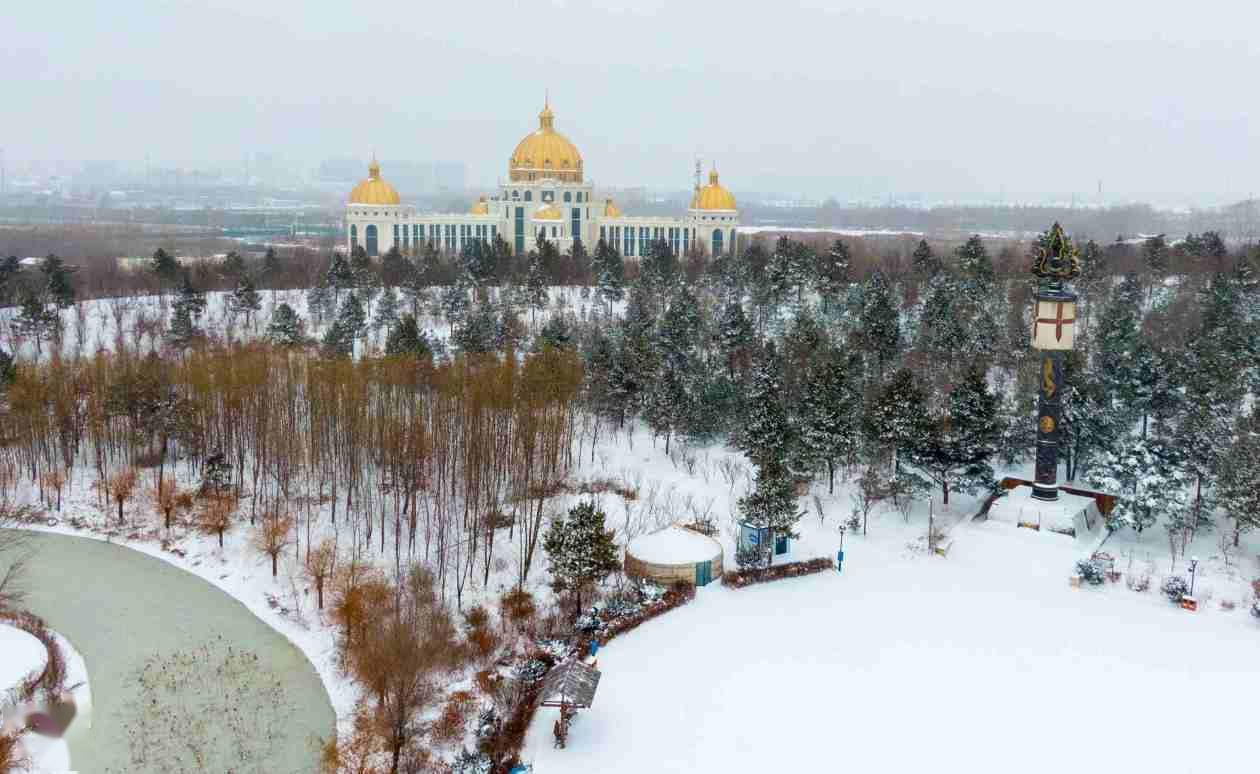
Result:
[{"x": 1055, "y": 262}]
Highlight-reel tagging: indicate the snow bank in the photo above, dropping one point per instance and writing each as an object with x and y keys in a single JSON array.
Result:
[
  {"x": 20, "y": 654},
  {"x": 674, "y": 545}
]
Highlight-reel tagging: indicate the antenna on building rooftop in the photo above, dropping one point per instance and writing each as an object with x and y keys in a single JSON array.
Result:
[{"x": 698, "y": 170}]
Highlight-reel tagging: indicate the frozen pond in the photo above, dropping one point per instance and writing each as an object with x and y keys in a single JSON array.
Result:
[{"x": 120, "y": 607}]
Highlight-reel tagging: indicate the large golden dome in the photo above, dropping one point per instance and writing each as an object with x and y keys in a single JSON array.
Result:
[
  {"x": 713, "y": 196},
  {"x": 545, "y": 154},
  {"x": 374, "y": 190}
]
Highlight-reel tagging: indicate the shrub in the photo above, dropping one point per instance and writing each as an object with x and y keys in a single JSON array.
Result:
[
  {"x": 1255, "y": 608},
  {"x": 750, "y": 557},
  {"x": 488, "y": 681},
  {"x": 1090, "y": 572},
  {"x": 530, "y": 671},
  {"x": 476, "y": 617},
  {"x": 1139, "y": 583},
  {"x": 518, "y": 608},
  {"x": 777, "y": 572},
  {"x": 1175, "y": 588},
  {"x": 474, "y": 762}
]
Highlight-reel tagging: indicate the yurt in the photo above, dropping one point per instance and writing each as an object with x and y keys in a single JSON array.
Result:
[{"x": 674, "y": 554}]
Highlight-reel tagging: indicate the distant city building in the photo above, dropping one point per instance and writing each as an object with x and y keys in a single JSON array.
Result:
[{"x": 545, "y": 196}]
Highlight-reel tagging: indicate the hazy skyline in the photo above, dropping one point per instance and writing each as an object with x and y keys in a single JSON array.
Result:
[{"x": 813, "y": 99}]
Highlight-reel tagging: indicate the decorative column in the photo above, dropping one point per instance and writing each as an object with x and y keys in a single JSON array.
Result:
[{"x": 1055, "y": 261}]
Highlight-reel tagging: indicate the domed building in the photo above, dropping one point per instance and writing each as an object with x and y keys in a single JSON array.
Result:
[{"x": 545, "y": 195}]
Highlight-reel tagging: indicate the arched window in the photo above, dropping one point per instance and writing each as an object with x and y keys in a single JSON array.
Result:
[
  {"x": 732, "y": 242},
  {"x": 354, "y": 236},
  {"x": 529, "y": 196},
  {"x": 568, "y": 197},
  {"x": 516, "y": 195},
  {"x": 717, "y": 242},
  {"x": 369, "y": 235}
]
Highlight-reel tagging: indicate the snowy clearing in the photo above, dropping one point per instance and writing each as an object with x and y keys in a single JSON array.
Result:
[{"x": 906, "y": 661}]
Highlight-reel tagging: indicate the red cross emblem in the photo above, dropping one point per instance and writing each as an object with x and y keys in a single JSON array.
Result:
[{"x": 1058, "y": 320}]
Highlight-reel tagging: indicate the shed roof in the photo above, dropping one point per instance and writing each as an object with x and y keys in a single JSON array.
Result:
[{"x": 572, "y": 683}]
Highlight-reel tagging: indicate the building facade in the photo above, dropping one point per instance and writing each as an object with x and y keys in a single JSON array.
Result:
[{"x": 545, "y": 195}]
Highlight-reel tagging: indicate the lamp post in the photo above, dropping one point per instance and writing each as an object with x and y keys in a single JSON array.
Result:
[
  {"x": 1194, "y": 566},
  {"x": 1055, "y": 261}
]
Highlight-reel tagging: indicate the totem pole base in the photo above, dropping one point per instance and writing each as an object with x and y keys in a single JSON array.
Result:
[
  {"x": 1045, "y": 493},
  {"x": 1069, "y": 514}
]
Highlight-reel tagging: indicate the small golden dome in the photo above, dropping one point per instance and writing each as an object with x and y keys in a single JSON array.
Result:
[
  {"x": 480, "y": 207},
  {"x": 610, "y": 209},
  {"x": 374, "y": 190},
  {"x": 545, "y": 154},
  {"x": 550, "y": 212},
  {"x": 713, "y": 196}
]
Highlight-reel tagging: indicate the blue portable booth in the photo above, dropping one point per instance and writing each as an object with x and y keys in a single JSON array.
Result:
[{"x": 752, "y": 537}]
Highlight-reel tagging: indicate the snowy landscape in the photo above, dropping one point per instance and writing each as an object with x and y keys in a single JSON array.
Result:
[{"x": 992, "y": 625}]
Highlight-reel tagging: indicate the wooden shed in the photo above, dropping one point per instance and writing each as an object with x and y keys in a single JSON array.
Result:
[{"x": 674, "y": 554}]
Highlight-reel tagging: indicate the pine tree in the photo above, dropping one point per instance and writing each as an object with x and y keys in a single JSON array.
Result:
[
  {"x": 286, "y": 328},
  {"x": 880, "y": 324},
  {"x": 34, "y": 320},
  {"x": 164, "y": 266},
  {"x": 1239, "y": 478},
  {"x": 339, "y": 277},
  {"x": 415, "y": 288},
  {"x": 9, "y": 268},
  {"x": 245, "y": 299},
  {"x": 658, "y": 269},
  {"x": 350, "y": 325},
  {"x": 57, "y": 282},
  {"x": 191, "y": 299},
  {"x": 897, "y": 415},
  {"x": 182, "y": 331},
  {"x": 386, "y": 310},
  {"x": 597, "y": 388},
  {"x": 8, "y": 370},
  {"x": 924, "y": 261},
  {"x": 406, "y": 338},
  {"x": 395, "y": 268},
  {"x": 736, "y": 339},
  {"x": 1148, "y": 485},
  {"x": 555, "y": 333},
  {"x": 536, "y": 282},
  {"x": 233, "y": 265},
  {"x": 1155, "y": 257},
  {"x": 477, "y": 334},
  {"x": 831, "y": 277},
  {"x": 1115, "y": 345},
  {"x": 829, "y": 427},
  {"x": 635, "y": 364},
  {"x": 320, "y": 302},
  {"x": 609, "y": 270},
  {"x": 269, "y": 271},
  {"x": 767, "y": 436},
  {"x": 942, "y": 334},
  {"x": 772, "y": 504},
  {"x": 580, "y": 551},
  {"x": 959, "y": 442},
  {"x": 455, "y": 304},
  {"x": 975, "y": 265}
]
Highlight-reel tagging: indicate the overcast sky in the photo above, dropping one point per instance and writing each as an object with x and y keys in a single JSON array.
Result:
[{"x": 856, "y": 98}]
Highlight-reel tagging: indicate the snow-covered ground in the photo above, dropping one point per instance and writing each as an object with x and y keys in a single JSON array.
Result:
[
  {"x": 20, "y": 655},
  {"x": 984, "y": 661},
  {"x": 97, "y": 324}
]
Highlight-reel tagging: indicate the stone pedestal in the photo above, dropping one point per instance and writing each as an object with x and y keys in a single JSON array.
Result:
[{"x": 1068, "y": 512}]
